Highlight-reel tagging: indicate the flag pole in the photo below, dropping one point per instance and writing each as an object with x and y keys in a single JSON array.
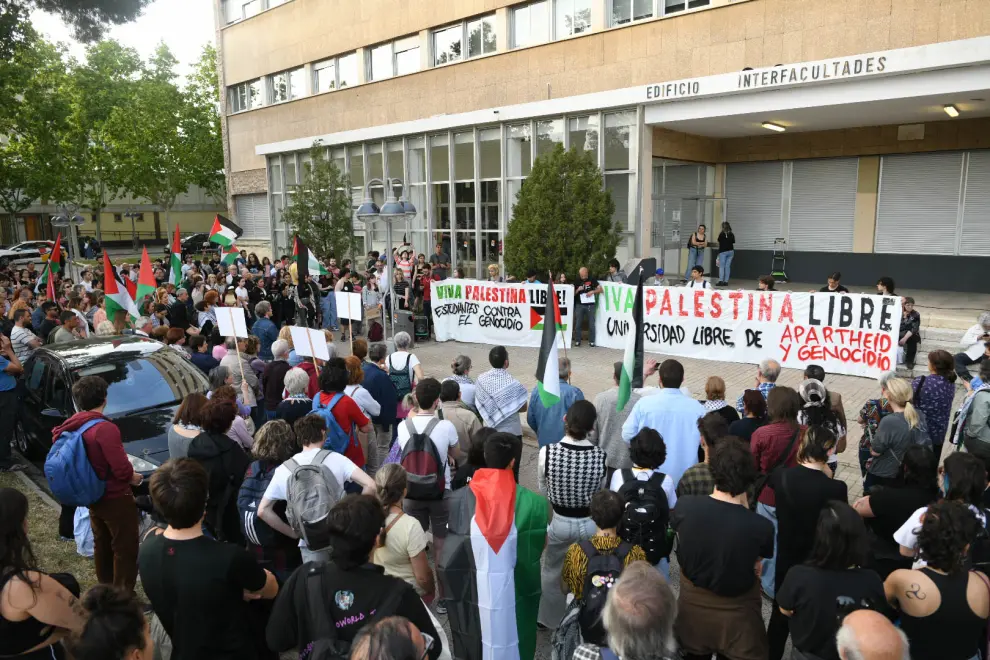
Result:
[
  {"x": 350, "y": 323},
  {"x": 551, "y": 305},
  {"x": 312, "y": 352}
]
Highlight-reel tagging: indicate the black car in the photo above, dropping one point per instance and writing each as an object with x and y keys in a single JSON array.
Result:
[
  {"x": 193, "y": 243},
  {"x": 148, "y": 381}
]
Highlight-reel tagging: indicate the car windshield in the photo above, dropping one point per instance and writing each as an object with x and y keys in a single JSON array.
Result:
[{"x": 141, "y": 384}]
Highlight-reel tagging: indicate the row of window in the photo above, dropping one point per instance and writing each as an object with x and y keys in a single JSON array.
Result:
[
  {"x": 238, "y": 10},
  {"x": 530, "y": 23}
]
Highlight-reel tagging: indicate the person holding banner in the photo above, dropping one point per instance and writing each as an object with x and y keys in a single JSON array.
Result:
[{"x": 584, "y": 292}]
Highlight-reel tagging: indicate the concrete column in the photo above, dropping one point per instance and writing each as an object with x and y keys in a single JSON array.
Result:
[
  {"x": 502, "y": 29},
  {"x": 361, "y": 55},
  {"x": 645, "y": 179},
  {"x": 599, "y": 21},
  {"x": 308, "y": 79},
  {"x": 867, "y": 187},
  {"x": 425, "y": 50}
]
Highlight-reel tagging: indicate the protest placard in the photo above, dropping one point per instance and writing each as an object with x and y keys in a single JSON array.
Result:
[
  {"x": 308, "y": 342},
  {"x": 497, "y": 313},
  {"x": 844, "y": 333},
  {"x": 231, "y": 322},
  {"x": 349, "y": 305}
]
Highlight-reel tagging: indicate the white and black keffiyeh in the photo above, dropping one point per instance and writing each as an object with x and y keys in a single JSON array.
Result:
[
  {"x": 498, "y": 396},
  {"x": 713, "y": 405}
]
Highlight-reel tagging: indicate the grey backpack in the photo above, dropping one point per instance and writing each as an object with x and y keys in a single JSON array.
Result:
[{"x": 311, "y": 492}]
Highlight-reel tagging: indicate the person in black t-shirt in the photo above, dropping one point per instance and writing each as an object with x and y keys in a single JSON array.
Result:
[
  {"x": 802, "y": 492},
  {"x": 721, "y": 545},
  {"x": 832, "y": 578},
  {"x": 887, "y": 507},
  {"x": 356, "y": 592},
  {"x": 200, "y": 588},
  {"x": 833, "y": 284},
  {"x": 585, "y": 290}
]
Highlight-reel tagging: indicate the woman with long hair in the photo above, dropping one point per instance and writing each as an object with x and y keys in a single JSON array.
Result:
[
  {"x": 802, "y": 492},
  {"x": 715, "y": 399},
  {"x": 943, "y": 606},
  {"x": 933, "y": 394},
  {"x": 185, "y": 425},
  {"x": 833, "y": 575},
  {"x": 36, "y": 609},
  {"x": 726, "y": 250},
  {"x": 895, "y": 434},
  {"x": 401, "y": 549},
  {"x": 869, "y": 420}
]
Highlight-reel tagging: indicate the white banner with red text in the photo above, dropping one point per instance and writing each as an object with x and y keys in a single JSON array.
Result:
[
  {"x": 496, "y": 313},
  {"x": 844, "y": 333}
]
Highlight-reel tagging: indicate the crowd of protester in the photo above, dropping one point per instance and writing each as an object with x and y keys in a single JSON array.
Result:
[{"x": 319, "y": 505}]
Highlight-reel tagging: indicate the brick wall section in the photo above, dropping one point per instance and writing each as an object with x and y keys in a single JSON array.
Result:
[{"x": 721, "y": 39}]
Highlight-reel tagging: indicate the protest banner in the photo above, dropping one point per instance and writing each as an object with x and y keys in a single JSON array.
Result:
[
  {"x": 844, "y": 333},
  {"x": 497, "y": 313}
]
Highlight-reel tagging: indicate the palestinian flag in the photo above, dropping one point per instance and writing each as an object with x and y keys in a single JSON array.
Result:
[
  {"x": 547, "y": 373},
  {"x": 55, "y": 258},
  {"x": 632, "y": 359},
  {"x": 146, "y": 284},
  {"x": 46, "y": 280},
  {"x": 229, "y": 254},
  {"x": 224, "y": 231},
  {"x": 115, "y": 290},
  {"x": 306, "y": 261},
  {"x": 490, "y": 565},
  {"x": 175, "y": 263}
]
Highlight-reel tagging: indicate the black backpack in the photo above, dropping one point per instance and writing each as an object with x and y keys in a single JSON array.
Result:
[
  {"x": 644, "y": 520},
  {"x": 253, "y": 488},
  {"x": 603, "y": 570},
  {"x": 326, "y": 645},
  {"x": 400, "y": 378},
  {"x": 425, "y": 468}
]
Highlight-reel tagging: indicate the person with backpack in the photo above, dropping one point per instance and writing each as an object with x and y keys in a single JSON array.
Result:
[
  {"x": 898, "y": 431},
  {"x": 603, "y": 556},
  {"x": 325, "y": 606},
  {"x": 100, "y": 477},
  {"x": 427, "y": 447},
  {"x": 274, "y": 444},
  {"x": 649, "y": 496},
  {"x": 310, "y": 483},
  {"x": 569, "y": 473},
  {"x": 343, "y": 416},
  {"x": 201, "y": 589},
  {"x": 404, "y": 369},
  {"x": 720, "y": 543}
]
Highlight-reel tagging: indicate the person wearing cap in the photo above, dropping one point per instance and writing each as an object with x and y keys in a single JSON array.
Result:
[{"x": 659, "y": 279}]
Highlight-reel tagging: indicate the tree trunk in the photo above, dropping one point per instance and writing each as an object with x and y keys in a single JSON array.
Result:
[
  {"x": 97, "y": 216},
  {"x": 168, "y": 224}
]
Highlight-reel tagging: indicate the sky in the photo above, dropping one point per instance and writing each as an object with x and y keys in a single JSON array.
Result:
[{"x": 184, "y": 25}]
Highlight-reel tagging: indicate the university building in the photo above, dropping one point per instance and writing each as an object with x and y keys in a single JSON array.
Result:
[{"x": 857, "y": 133}]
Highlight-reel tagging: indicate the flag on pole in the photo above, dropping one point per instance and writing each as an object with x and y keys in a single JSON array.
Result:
[
  {"x": 146, "y": 283},
  {"x": 55, "y": 257},
  {"x": 115, "y": 290},
  {"x": 46, "y": 280},
  {"x": 306, "y": 261},
  {"x": 224, "y": 231},
  {"x": 175, "y": 264},
  {"x": 229, "y": 254},
  {"x": 547, "y": 372},
  {"x": 632, "y": 359}
]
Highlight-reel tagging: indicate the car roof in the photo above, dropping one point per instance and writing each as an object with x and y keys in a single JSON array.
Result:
[{"x": 85, "y": 352}]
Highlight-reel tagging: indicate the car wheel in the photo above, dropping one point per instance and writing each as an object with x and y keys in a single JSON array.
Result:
[{"x": 23, "y": 443}]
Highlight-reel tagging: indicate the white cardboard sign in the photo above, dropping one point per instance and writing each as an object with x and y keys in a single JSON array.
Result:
[
  {"x": 231, "y": 322},
  {"x": 308, "y": 342},
  {"x": 345, "y": 298}
]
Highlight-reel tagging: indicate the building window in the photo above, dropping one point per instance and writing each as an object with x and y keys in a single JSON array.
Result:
[
  {"x": 674, "y": 6},
  {"x": 347, "y": 71},
  {"x": 531, "y": 24},
  {"x": 117, "y": 217},
  {"x": 286, "y": 85},
  {"x": 238, "y": 10},
  {"x": 447, "y": 45},
  {"x": 571, "y": 17},
  {"x": 481, "y": 36},
  {"x": 246, "y": 96},
  {"x": 626, "y": 11},
  {"x": 324, "y": 76},
  {"x": 395, "y": 58}
]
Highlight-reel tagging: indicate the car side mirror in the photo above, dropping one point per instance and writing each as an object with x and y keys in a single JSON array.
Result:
[{"x": 52, "y": 412}]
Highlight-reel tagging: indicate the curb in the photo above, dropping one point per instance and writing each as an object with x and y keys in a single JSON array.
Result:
[{"x": 45, "y": 497}]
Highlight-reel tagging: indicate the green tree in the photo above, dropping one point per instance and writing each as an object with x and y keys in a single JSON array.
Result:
[
  {"x": 202, "y": 126},
  {"x": 92, "y": 176},
  {"x": 563, "y": 218},
  {"x": 33, "y": 119},
  {"x": 320, "y": 211},
  {"x": 87, "y": 18},
  {"x": 146, "y": 136}
]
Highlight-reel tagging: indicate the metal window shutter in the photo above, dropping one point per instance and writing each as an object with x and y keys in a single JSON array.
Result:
[
  {"x": 975, "y": 239},
  {"x": 754, "y": 192},
  {"x": 252, "y": 216},
  {"x": 683, "y": 181},
  {"x": 918, "y": 203},
  {"x": 823, "y": 205}
]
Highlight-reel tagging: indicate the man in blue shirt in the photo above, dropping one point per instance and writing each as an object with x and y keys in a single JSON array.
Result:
[
  {"x": 766, "y": 380},
  {"x": 674, "y": 415},
  {"x": 10, "y": 368},
  {"x": 548, "y": 423},
  {"x": 264, "y": 330}
]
